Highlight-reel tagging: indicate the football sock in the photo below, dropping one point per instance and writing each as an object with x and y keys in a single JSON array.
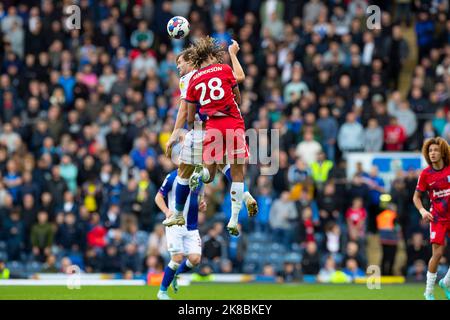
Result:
[
  {"x": 185, "y": 266},
  {"x": 447, "y": 278},
  {"x": 237, "y": 194},
  {"x": 181, "y": 194},
  {"x": 169, "y": 273},
  {"x": 431, "y": 279},
  {"x": 227, "y": 172}
]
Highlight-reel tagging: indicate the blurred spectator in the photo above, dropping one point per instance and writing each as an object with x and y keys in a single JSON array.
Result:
[
  {"x": 320, "y": 170},
  {"x": 69, "y": 236},
  {"x": 130, "y": 259},
  {"x": 424, "y": 29},
  {"x": 350, "y": 133},
  {"x": 386, "y": 221},
  {"x": 308, "y": 149},
  {"x": 310, "y": 261},
  {"x": 306, "y": 227},
  {"x": 97, "y": 232},
  {"x": 265, "y": 205},
  {"x": 394, "y": 135},
  {"x": 352, "y": 251},
  {"x": 289, "y": 274},
  {"x": 356, "y": 217},
  {"x": 50, "y": 265},
  {"x": 376, "y": 189},
  {"x": 417, "y": 250},
  {"x": 111, "y": 261},
  {"x": 282, "y": 214},
  {"x": 92, "y": 261},
  {"x": 4, "y": 271},
  {"x": 353, "y": 270},
  {"x": 42, "y": 237},
  {"x": 401, "y": 110},
  {"x": 214, "y": 246},
  {"x": 327, "y": 271},
  {"x": 333, "y": 237},
  {"x": 373, "y": 136},
  {"x": 15, "y": 235},
  {"x": 328, "y": 126}
]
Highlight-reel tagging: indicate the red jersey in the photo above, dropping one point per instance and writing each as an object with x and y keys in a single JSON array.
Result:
[
  {"x": 437, "y": 184},
  {"x": 211, "y": 88},
  {"x": 394, "y": 137},
  {"x": 356, "y": 215}
]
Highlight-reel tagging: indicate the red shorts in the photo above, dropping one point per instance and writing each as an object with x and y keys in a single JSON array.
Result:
[
  {"x": 224, "y": 134},
  {"x": 438, "y": 230}
]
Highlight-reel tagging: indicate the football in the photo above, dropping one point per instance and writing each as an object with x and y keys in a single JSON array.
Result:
[{"x": 178, "y": 27}]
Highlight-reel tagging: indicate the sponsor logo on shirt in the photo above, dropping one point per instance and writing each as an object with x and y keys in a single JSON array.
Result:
[{"x": 441, "y": 193}]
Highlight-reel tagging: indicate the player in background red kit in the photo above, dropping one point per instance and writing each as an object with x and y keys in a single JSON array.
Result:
[
  {"x": 435, "y": 180},
  {"x": 214, "y": 89}
]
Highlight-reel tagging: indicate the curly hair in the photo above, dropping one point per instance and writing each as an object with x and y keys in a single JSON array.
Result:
[
  {"x": 186, "y": 54},
  {"x": 443, "y": 147},
  {"x": 205, "y": 48}
]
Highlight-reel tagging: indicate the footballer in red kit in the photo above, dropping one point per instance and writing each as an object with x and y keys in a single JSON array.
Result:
[
  {"x": 435, "y": 181},
  {"x": 213, "y": 88}
]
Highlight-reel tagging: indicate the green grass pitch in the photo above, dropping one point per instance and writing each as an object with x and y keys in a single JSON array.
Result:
[{"x": 223, "y": 292}]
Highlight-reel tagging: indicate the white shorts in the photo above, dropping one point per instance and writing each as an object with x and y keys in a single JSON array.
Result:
[
  {"x": 191, "y": 151},
  {"x": 184, "y": 241}
]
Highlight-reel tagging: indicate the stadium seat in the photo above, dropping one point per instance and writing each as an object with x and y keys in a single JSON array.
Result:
[
  {"x": 252, "y": 257},
  {"x": 276, "y": 247},
  {"x": 293, "y": 257},
  {"x": 16, "y": 268},
  {"x": 274, "y": 257},
  {"x": 250, "y": 268},
  {"x": 3, "y": 255},
  {"x": 34, "y": 267},
  {"x": 256, "y": 247},
  {"x": 338, "y": 258},
  {"x": 257, "y": 237},
  {"x": 296, "y": 247}
]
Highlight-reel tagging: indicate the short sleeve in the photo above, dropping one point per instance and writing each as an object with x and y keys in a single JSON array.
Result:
[
  {"x": 184, "y": 84},
  {"x": 421, "y": 183},
  {"x": 183, "y": 89},
  {"x": 167, "y": 184},
  {"x": 190, "y": 94}
]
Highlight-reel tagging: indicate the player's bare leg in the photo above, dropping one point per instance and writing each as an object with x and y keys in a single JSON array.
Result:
[
  {"x": 181, "y": 194},
  {"x": 250, "y": 202},
  {"x": 438, "y": 252},
  {"x": 237, "y": 193}
]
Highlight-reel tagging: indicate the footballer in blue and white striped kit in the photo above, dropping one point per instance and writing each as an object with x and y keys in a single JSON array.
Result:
[{"x": 182, "y": 241}]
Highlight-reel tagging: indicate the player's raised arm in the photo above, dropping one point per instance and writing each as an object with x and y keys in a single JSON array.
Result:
[
  {"x": 237, "y": 94},
  {"x": 237, "y": 68}
]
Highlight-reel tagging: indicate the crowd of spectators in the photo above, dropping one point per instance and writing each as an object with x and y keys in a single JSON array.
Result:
[{"x": 85, "y": 115}]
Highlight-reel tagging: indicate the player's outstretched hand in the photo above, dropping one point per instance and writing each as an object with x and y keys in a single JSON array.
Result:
[
  {"x": 233, "y": 48},
  {"x": 426, "y": 215}
]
